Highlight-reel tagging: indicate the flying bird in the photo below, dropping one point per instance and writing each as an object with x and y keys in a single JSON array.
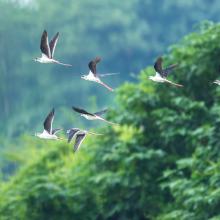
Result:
[
  {"x": 49, "y": 132},
  {"x": 80, "y": 136},
  {"x": 92, "y": 116},
  {"x": 161, "y": 74},
  {"x": 48, "y": 50},
  {"x": 217, "y": 82},
  {"x": 93, "y": 76}
]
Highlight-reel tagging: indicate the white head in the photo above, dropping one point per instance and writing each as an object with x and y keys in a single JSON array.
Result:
[
  {"x": 84, "y": 77},
  {"x": 151, "y": 77},
  {"x": 37, "y": 59},
  {"x": 37, "y": 134}
]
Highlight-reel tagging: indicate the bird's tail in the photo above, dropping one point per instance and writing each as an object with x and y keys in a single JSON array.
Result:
[
  {"x": 109, "y": 122},
  {"x": 175, "y": 84},
  {"x": 64, "y": 64}
]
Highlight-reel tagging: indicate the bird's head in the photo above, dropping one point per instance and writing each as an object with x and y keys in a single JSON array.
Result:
[
  {"x": 150, "y": 77},
  {"x": 83, "y": 77},
  {"x": 36, "y": 59},
  {"x": 36, "y": 134}
]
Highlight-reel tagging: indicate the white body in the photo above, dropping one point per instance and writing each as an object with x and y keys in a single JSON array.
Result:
[
  {"x": 157, "y": 78},
  {"x": 89, "y": 117},
  {"x": 45, "y": 59},
  {"x": 91, "y": 77},
  {"x": 46, "y": 135},
  {"x": 96, "y": 79}
]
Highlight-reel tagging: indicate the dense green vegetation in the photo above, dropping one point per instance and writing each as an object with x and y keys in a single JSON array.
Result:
[{"x": 162, "y": 162}]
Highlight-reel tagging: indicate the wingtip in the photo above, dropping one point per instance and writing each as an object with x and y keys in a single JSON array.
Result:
[
  {"x": 75, "y": 149},
  {"x": 98, "y": 59},
  {"x": 68, "y": 141},
  {"x": 159, "y": 58},
  {"x": 52, "y": 111}
]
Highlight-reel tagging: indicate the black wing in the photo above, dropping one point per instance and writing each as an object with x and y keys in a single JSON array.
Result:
[
  {"x": 49, "y": 121},
  {"x": 100, "y": 113},
  {"x": 79, "y": 139},
  {"x": 158, "y": 65},
  {"x": 44, "y": 45},
  {"x": 71, "y": 133},
  {"x": 53, "y": 44},
  {"x": 92, "y": 65},
  {"x": 82, "y": 111},
  {"x": 54, "y": 131},
  {"x": 169, "y": 69}
]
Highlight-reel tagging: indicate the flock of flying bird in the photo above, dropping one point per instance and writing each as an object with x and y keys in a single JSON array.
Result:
[{"x": 48, "y": 49}]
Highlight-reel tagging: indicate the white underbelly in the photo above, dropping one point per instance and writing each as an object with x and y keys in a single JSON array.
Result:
[
  {"x": 158, "y": 79},
  {"x": 89, "y": 117},
  {"x": 49, "y": 137},
  {"x": 47, "y": 61}
]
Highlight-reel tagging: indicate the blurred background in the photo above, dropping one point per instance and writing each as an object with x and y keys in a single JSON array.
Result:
[{"x": 128, "y": 36}]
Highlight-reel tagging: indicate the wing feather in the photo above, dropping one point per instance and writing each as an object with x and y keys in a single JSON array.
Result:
[
  {"x": 92, "y": 65},
  {"x": 49, "y": 121},
  {"x": 53, "y": 44},
  {"x": 56, "y": 130},
  {"x": 71, "y": 133},
  {"x": 169, "y": 69},
  {"x": 158, "y": 65},
  {"x": 44, "y": 45},
  {"x": 100, "y": 113},
  {"x": 79, "y": 139},
  {"x": 81, "y": 111}
]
